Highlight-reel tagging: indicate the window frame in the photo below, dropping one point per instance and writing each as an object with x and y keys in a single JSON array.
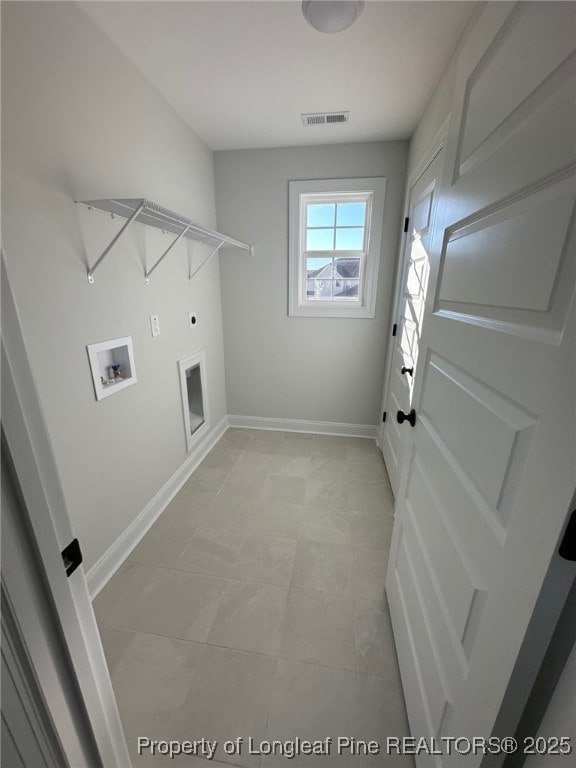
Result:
[{"x": 301, "y": 193}]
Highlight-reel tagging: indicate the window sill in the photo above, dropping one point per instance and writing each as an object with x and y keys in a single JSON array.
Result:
[{"x": 302, "y": 310}]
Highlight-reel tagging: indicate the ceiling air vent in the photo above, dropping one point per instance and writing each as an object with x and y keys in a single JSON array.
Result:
[{"x": 325, "y": 118}]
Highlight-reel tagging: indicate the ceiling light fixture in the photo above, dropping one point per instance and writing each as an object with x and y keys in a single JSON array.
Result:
[{"x": 331, "y": 15}]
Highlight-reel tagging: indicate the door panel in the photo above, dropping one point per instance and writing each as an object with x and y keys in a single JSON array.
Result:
[
  {"x": 414, "y": 286},
  {"x": 517, "y": 290},
  {"x": 455, "y": 583},
  {"x": 430, "y": 668},
  {"x": 485, "y": 433},
  {"x": 490, "y": 97},
  {"x": 480, "y": 268},
  {"x": 489, "y": 470}
]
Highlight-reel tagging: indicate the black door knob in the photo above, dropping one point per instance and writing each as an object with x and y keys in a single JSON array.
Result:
[
  {"x": 409, "y": 417},
  {"x": 404, "y": 370}
]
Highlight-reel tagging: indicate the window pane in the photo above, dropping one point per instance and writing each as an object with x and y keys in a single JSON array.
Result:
[
  {"x": 319, "y": 268},
  {"x": 320, "y": 215},
  {"x": 350, "y": 239},
  {"x": 319, "y": 239},
  {"x": 351, "y": 214},
  {"x": 319, "y": 290},
  {"x": 346, "y": 290},
  {"x": 346, "y": 268}
]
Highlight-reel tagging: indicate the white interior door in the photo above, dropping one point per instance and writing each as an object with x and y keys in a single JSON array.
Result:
[
  {"x": 489, "y": 467},
  {"x": 414, "y": 282}
]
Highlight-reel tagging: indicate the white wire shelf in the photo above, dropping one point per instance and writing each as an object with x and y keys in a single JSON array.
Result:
[{"x": 146, "y": 212}]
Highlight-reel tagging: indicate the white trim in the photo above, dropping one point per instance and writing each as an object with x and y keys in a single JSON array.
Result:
[
  {"x": 101, "y": 386},
  {"x": 428, "y": 156},
  {"x": 191, "y": 361},
  {"x": 436, "y": 145},
  {"x": 103, "y": 570},
  {"x": 375, "y": 188},
  {"x": 300, "y": 425}
]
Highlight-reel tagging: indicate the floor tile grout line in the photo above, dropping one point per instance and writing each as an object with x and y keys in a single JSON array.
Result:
[
  {"x": 354, "y": 601},
  {"x": 294, "y": 563},
  {"x": 350, "y": 546},
  {"x": 276, "y": 657},
  {"x": 256, "y": 582}
]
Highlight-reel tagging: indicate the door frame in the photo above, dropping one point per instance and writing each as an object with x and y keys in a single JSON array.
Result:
[
  {"x": 43, "y": 507},
  {"x": 516, "y": 715},
  {"x": 435, "y": 146}
]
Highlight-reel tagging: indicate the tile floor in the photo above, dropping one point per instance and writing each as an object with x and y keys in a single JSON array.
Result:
[{"x": 255, "y": 606}]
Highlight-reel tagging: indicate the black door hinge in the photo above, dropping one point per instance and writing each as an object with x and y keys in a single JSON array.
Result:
[
  {"x": 72, "y": 557},
  {"x": 394, "y": 329},
  {"x": 406, "y": 223},
  {"x": 384, "y": 416},
  {"x": 567, "y": 548}
]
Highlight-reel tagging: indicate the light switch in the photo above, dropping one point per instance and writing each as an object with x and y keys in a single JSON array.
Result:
[{"x": 155, "y": 325}]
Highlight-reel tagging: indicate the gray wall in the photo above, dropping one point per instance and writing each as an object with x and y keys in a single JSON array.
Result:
[
  {"x": 319, "y": 369},
  {"x": 80, "y": 122}
]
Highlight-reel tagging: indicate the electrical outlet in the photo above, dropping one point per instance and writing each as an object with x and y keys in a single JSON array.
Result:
[
  {"x": 155, "y": 325},
  {"x": 192, "y": 320}
]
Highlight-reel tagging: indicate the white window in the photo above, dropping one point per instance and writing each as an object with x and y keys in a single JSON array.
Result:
[{"x": 335, "y": 233}]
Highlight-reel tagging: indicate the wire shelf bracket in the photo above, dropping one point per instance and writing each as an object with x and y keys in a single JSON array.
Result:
[
  {"x": 206, "y": 260},
  {"x": 146, "y": 212},
  {"x": 166, "y": 252}
]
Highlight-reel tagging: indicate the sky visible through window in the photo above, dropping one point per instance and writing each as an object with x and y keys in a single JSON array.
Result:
[{"x": 334, "y": 227}]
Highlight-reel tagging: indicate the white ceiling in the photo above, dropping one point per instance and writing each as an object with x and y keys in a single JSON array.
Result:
[{"x": 241, "y": 72}]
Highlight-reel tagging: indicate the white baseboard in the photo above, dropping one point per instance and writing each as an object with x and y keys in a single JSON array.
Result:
[
  {"x": 296, "y": 425},
  {"x": 103, "y": 570}
]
